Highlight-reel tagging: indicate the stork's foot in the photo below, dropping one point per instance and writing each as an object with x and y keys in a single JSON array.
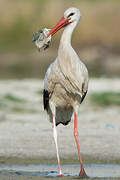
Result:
[
  {"x": 61, "y": 175},
  {"x": 83, "y": 174}
]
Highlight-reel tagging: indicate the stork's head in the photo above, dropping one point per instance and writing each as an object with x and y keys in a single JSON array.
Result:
[{"x": 71, "y": 15}]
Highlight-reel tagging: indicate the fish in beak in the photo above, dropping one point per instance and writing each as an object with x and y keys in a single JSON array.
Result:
[
  {"x": 36, "y": 35},
  {"x": 40, "y": 38}
]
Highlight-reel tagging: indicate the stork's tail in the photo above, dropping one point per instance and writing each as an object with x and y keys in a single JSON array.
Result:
[{"x": 63, "y": 115}]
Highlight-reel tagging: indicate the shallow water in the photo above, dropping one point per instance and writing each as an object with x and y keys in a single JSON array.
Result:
[{"x": 51, "y": 170}]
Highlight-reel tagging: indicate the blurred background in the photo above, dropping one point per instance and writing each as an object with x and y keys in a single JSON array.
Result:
[{"x": 96, "y": 39}]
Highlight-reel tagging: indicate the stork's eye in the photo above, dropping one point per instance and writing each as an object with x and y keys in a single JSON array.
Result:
[{"x": 71, "y": 14}]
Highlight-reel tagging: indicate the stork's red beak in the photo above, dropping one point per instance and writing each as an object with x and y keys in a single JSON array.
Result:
[{"x": 63, "y": 22}]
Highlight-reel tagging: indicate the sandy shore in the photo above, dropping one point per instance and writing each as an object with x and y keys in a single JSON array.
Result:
[
  {"x": 25, "y": 131},
  {"x": 26, "y": 134}
]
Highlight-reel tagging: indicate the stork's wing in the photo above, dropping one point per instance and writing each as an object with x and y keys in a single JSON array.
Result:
[
  {"x": 83, "y": 97},
  {"x": 74, "y": 72},
  {"x": 49, "y": 83},
  {"x": 46, "y": 99}
]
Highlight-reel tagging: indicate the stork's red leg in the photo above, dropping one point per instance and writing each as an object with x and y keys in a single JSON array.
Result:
[
  {"x": 56, "y": 144},
  {"x": 82, "y": 172}
]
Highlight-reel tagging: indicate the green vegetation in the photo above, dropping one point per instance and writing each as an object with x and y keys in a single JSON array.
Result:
[
  {"x": 2, "y": 104},
  {"x": 13, "y": 103},
  {"x": 106, "y": 98},
  {"x": 23, "y": 109},
  {"x": 13, "y": 98},
  {"x": 10, "y": 101}
]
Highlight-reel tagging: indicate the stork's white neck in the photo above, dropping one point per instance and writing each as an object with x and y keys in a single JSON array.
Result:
[{"x": 65, "y": 42}]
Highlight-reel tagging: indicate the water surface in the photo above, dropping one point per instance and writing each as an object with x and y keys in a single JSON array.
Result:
[{"x": 71, "y": 170}]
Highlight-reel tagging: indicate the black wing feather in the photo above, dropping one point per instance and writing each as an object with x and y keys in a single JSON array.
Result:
[
  {"x": 46, "y": 99},
  {"x": 83, "y": 97}
]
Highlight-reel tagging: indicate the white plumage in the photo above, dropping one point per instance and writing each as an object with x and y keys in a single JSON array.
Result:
[{"x": 66, "y": 80}]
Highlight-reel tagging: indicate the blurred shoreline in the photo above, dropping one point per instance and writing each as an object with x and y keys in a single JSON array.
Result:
[{"x": 100, "y": 63}]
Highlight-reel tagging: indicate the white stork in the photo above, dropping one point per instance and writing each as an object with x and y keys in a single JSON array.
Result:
[{"x": 66, "y": 81}]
